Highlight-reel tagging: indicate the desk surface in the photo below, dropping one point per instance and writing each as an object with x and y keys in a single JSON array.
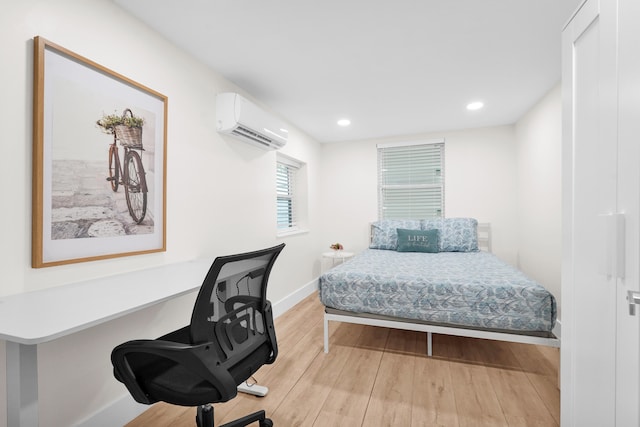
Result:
[{"x": 41, "y": 316}]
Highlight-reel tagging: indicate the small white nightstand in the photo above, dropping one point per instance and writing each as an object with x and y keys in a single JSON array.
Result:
[{"x": 336, "y": 256}]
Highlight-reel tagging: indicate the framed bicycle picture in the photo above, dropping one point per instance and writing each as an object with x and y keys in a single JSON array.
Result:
[{"x": 99, "y": 161}]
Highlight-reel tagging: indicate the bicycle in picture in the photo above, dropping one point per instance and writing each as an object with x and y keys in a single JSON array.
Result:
[{"x": 127, "y": 130}]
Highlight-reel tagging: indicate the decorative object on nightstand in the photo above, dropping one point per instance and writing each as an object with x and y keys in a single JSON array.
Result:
[
  {"x": 337, "y": 247},
  {"x": 337, "y": 254}
]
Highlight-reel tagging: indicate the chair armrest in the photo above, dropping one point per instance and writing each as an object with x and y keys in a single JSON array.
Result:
[
  {"x": 201, "y": 359},
  {"x": 271, "y": 331},
  {"x": 267, "y": 314},
  {"x": 268, "y": 318}
]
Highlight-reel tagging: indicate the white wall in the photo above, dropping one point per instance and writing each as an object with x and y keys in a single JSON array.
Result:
[
  {"x": 220, "y": 192},
  {"x": 206, "y": 216},
  {"x": 480, "y": 182},
  {"x": 539, "y": 136}
]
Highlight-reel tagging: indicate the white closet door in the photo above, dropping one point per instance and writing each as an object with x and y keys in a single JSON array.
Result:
[
  {"x": 588, "y": 357},
  {"x": 628, "y": 327},
  {"x": 600, "y": 361}
]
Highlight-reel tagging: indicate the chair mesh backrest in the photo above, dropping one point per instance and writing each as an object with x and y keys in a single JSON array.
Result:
[{"x": 232, "y": 300}]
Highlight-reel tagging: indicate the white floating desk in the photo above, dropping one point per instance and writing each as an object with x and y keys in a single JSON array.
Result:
[{"x": 31, "y": 318}]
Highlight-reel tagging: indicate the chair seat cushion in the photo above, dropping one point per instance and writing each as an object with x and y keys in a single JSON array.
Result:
[
  {"x": 175, "y": 384},
  {"x": 179, "y": 386}
]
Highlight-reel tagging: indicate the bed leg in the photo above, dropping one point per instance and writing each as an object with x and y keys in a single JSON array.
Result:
[
  {"x": 326, "y": 334},
  {"x": 429, "y": 344}
]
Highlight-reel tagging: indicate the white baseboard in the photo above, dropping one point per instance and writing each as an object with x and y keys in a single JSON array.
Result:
[
  {"x": 117, "y": 413},
  {"x": 126, "y": 409},
  {"x": 557, "y": 329},
  {"x": 294, "y": 298}
]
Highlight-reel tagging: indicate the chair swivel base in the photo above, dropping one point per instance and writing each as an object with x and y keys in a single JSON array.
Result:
[{"x": 204, "y": 418}]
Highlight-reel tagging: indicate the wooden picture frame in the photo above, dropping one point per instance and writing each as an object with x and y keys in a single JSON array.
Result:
[{"x": 98, "y": 191}]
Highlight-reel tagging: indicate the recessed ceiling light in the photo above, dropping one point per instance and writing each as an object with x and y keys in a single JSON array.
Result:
[
  {"x": 475, "y": 105},
  {"x": 344, "y": 122}
]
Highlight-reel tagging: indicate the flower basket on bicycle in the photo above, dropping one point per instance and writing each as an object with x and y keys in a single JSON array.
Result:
[
  {"x": 129, "y": 133},
  {"x": 130, "y": 136},
  {"x": 126, "y": 128}
]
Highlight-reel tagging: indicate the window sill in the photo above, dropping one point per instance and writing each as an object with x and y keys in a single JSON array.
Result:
[{"x": 291, "y": 233}]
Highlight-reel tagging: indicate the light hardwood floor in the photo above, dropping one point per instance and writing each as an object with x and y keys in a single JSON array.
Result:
[{"x": 382, "y": 377}]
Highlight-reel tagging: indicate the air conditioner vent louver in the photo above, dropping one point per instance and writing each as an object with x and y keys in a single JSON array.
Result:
[
  {"x": 248, "y": 133},
  {"x": 244, "y": 120}
]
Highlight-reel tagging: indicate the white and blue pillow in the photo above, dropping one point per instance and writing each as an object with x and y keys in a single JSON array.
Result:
[
  {"x": 455, "y": 234},
  {"x": 385, "y": 235},
  {"x": 459, "y": 235}
]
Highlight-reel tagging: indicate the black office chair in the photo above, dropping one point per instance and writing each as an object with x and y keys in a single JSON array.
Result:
[{"x": 231, "y": 335}]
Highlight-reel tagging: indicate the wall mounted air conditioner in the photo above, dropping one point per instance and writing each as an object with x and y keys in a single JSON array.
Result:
[{"x": 243, "y": 119}]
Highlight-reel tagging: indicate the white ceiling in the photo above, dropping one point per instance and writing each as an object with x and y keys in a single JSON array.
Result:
[{"x": 394, "y": 67}]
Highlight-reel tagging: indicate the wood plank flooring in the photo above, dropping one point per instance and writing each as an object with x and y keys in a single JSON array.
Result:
[{"x": 382, "y": 377}]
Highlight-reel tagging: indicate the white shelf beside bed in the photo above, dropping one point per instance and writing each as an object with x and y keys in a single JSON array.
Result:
[{"x": 336, "y": 256}]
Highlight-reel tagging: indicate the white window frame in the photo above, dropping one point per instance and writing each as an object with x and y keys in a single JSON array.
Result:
[
  {"x": 287, "y": 189},
  {"x": 427, "y": 185}
]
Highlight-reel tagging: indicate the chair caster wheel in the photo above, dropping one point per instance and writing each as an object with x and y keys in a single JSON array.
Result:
[{"x": 266, "y": 423}]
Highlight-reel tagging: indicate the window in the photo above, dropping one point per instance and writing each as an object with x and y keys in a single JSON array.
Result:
[
  {"x": 287, "y": 204},
  {"x": 411, "y": 180}
]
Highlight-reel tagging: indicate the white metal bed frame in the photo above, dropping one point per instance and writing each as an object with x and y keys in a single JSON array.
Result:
[
  {"x": 435, "y": 329},
  {"x": 484, "y": 243}
]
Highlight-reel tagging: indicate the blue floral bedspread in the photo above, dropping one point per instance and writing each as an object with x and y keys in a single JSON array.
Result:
[{"x": 472, "y": 289}]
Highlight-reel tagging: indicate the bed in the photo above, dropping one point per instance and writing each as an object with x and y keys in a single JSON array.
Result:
[{"x": 432, "y": 276}]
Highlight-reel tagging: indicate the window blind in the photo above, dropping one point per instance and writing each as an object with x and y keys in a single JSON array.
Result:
[
  {"x": 411, "y": 180},
  {"x": 287, "y": 215}
]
